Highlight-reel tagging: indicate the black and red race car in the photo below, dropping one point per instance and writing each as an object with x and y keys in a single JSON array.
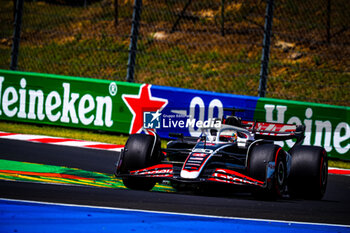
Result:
[{"x": 239, "y": 153}]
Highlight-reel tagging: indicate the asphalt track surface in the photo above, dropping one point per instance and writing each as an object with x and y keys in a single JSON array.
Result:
[{"x": 333, "y": 209}]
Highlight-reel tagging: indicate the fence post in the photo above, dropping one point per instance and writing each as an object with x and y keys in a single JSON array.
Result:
[
  {"x": 223, "y": 17},
  {"x": 328, "y": 21},
  {"x": 266, "y": 48},
  {"x": 116, "y": 12},
  {"x": 136, "y": 17},
  {"x": 16, "y": 34}
]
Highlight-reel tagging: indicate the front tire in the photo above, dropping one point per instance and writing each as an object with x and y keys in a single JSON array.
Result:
[
  {"x": 260, "y": 158},
  {"x": 140, "y": 151}
]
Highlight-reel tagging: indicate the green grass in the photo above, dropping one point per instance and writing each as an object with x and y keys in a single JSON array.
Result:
[
  {"x": 55, "y": 131},
  {"x": 76, "y": 58},
  {"x": 339, "y": 164},
  {"x": 62, "y": 132},
  {"x": 87, "y": 135}
]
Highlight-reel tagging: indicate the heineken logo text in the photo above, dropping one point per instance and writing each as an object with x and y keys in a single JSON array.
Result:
[{"x": 65, "y": 106}]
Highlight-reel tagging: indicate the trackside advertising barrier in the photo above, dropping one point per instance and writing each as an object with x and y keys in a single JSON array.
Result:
[{"x": 128, "y": 107}]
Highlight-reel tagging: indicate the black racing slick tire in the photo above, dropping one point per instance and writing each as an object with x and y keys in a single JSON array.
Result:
[
  {"x": 309, "y": 172},
  {"x": 259, "y": 158},
  {"x": 140, "y": 151}
]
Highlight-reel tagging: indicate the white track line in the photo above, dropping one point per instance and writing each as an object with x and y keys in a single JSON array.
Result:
[{"x": 60, "y": 141}]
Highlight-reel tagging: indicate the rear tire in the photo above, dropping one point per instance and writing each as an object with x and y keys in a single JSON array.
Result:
[
  {"x": 259, "y": 158},
  {"x": 309, "y": 172},
  {"x": 138, "y": 154}
]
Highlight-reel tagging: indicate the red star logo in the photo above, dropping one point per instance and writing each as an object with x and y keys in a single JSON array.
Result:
[{"x": 143, "y": 102}]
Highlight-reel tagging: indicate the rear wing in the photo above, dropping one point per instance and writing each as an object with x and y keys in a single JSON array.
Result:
[{"x": 275, "y": 131}]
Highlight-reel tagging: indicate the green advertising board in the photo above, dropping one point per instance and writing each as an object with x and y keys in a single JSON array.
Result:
[
  {"x": 65, "y": 101},
  {"x": 121, "y": 107},
  {"x": 325, "y": 125}
]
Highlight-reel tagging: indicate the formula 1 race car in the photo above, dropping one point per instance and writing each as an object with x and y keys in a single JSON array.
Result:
[{"x": 239, "y": 153}]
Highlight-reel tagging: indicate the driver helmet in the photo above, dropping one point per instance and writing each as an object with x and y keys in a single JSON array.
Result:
[{"x": 229, "y": 135}]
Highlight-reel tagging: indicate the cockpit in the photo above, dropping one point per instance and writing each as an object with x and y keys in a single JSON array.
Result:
[{"x": 225, "y": 134}]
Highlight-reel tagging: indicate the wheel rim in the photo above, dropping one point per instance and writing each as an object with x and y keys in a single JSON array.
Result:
[
  {"x": 280, "y": 173},
  {"x": 324, "y": 173}
]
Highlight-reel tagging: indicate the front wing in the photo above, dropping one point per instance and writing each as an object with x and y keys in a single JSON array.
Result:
[{"x": 217, "y": 175}]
